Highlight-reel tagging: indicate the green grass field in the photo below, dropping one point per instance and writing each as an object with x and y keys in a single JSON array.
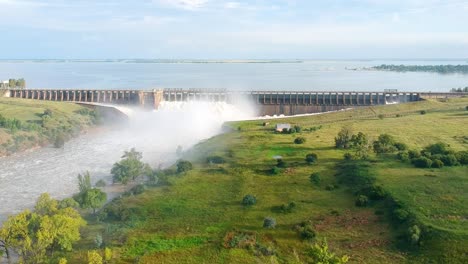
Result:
[
  {"x": 35, "y": 129},
  {"x": 189, "y": 220}
]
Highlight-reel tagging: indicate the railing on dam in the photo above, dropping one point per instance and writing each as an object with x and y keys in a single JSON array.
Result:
[{"x": 270, "y": 102}]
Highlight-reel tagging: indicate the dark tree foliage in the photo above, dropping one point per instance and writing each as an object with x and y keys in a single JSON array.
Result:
[
  {"x": 422, "y": 162},
  {"x": 249, "y": 200},
  {"x": 130, "y": 167},
  {"x": 184, "y": 166},
  {"x": 423, "y": 68},
  {"x": 384, "y": 144},
  {"x": 343, "y": 139},
  {"x": 311, "y": 158},
  {"x": 269, "y": 222},
  {"x": 299, "y": 140}
]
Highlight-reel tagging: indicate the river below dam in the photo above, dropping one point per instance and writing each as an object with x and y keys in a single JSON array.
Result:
[{"x": 157, "y": 134}]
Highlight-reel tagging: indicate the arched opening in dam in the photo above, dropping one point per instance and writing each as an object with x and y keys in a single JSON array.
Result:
[{"x": 157, "y": 134}]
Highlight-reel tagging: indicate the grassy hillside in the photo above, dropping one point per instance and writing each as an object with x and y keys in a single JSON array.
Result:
[
  {"x": 29, "y": 123},
  {"x": 197, "y": 217}
]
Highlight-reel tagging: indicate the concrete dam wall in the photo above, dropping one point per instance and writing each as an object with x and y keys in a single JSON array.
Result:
[{"x": 268, "y": 102}]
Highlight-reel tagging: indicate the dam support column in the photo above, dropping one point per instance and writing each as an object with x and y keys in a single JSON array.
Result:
[{"x": 157, "y": 98}]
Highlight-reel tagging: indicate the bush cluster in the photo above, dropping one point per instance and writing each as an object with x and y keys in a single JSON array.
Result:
[{"x": 435, "y": 155}]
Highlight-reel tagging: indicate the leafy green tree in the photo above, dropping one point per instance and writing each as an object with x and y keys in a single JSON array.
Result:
[
  {"x": 94, "y": 198},
  {"x": 130, "y": 167},
  {"x": 320, "y": 254},
  {"x": 94, "y": 257},
  {"x": 343, "y": 139},
  {"x": 12, "y": 83},
  {"x": 84, "y": 182},
  {"x": 384, "y": 144},
  {"x": 31, "y": 235},
  {"x": 184, "y": 166}
]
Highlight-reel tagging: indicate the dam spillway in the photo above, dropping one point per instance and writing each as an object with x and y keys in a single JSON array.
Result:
[{"x": 267, "y": 102}]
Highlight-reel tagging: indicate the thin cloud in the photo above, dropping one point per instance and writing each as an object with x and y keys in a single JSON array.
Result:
[{"x": 185, "y": 4}]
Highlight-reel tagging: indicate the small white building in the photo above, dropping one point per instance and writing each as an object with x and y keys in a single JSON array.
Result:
[{"x": 281, "y": 127}]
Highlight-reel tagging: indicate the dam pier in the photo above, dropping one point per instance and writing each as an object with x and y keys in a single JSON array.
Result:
[{"x": 268, "y": 102}]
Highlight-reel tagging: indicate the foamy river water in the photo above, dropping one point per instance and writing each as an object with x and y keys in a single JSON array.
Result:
[{"x": 24, "y": 176}]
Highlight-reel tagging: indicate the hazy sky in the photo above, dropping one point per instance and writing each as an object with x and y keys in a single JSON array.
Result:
[{"x": 210, "y": 29}]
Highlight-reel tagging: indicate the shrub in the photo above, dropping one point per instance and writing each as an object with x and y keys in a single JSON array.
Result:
[
  {"x": 343, "y": 139},
  {"x": 423, "y": 112},
  {"x": 414, "y": 154},
  {"x": 315, "y": 178},
  {"x": 400, "y": 215},
  {"x": 269, "y": 222},
  {"x": 280, "y": 163},
  {"x": 362, "y": 201},
  {"x": 381, "y": 116},
  {"x": 330, "y": 187},
  {"x": 437, "y": 148},
  {"x": 275, "y": 171},
  {"x": 298, "y": 129},
  {"x": 184, "y": 166},
  {"x": 215, "y": 160},
  {"x": 384, "y": 144},
  {"x": 437, "y": 163},
  {"x": 400, "y": 146},
  {"x": 374, "y": 192},
  {"x": 414, "y": 234},
  {"x": 422, "y": 162},
  {"x": 299, "y": 140},
  {"x": 403, "y": 156},
  {"x": 311, "y": 158},
  {"x": 462, "y": 157},
  {"x": 306, "y": 231},
  {"x": 285, "y": 131},
  {"x": 449, "y": 160},
  {"x": 249, "y": 200},
  {"x": 47, "y": 112},
  {"x": 287, "y": 208}
]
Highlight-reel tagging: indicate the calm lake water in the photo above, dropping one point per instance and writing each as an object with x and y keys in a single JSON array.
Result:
[{"x": 306, "y": 75}]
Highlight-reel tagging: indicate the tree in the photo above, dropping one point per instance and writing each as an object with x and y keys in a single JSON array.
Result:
[
  {"x": 84, "y": 182},
  {"x": 343, "y": 139},
  {"x": 320, "y": 253},
  {"x": 384, "y": 144},
  {"x": 184, "y": 166},
  {"x": 130, "y": 167},
  {"x": 93, "y": 198},
  {"x": 12, "y": 83},
  {"x": 311, "y": 158},
  {"x": 299, "y": 140},
  {"x": 34, "y": 234},
  {"x": 94, "y": 257}
]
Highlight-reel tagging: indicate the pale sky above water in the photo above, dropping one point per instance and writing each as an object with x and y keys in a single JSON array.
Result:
[{"x": 215, "y": 29}]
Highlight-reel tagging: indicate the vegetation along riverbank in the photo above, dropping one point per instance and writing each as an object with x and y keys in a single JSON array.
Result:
[
  {"x": 369, "y": 185},
  {"x": 26, "y": 124}
]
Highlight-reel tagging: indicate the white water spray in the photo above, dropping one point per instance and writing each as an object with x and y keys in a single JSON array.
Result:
[{"x": 157, "y": 134}]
